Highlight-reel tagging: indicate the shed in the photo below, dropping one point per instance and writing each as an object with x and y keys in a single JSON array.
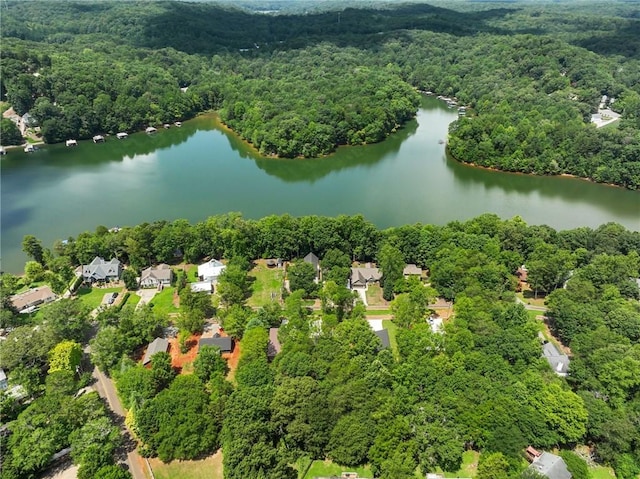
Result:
[{"x": 158, "y": 345}]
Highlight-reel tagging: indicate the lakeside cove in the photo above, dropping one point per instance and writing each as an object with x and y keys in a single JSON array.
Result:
[{"x": 203, "y": 169}]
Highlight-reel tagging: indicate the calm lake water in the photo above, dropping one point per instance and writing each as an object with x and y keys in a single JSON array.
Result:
[{"x": 200, "y": 170}]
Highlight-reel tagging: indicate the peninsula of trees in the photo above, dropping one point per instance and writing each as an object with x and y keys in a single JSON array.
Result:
[
  {"x": 531, "y": 76},
  {"x": 333, "y": 391}
]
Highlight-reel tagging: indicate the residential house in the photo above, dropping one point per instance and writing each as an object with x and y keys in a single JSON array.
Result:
[
  {"x": 315, "y": 262},
  {"x": 362, "y": 277},
  {"x": 559, "y": 362},
  {"x": 211, "y": 270},
  {"x": 156, "y": 277},
  {"x": 224, "y": 343},
  {"x": 26, "y": 121},
  {"x": 551, "y": 466},
  {"x": 101, "y": 270},
  {"x": 158, "y": 345},
  {"x": 274, "y": 347},
  {"x": 4, "y": 383},
  {"x": 521, "y": 273},
  {"x": 28, "y": 301},
  {"x": 412, "y": 270}
]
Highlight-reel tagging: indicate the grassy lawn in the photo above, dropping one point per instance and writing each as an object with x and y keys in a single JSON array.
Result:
[
  {"x": 469, "y": 467},
  {"x": 327, "y": 468},
  {"x": 374, "y": 296},
  {"x": 163, "y": 301},
  {"x": 267, "y": 281},
  {"x": 208, "y": 468},
  {"x": 601, "y": 472},
  {"x": 92, "y": 297},
  {"x": 393, "y": 329},
  {"x": 192, "y": 273},
  {"x": 132, "y": 300},
  {"x": 529, "y": 297}
]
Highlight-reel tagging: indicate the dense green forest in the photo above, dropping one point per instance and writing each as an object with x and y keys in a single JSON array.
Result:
[
  {"x": 333, "y": 391},
  {"x": 300, "y": 84}
]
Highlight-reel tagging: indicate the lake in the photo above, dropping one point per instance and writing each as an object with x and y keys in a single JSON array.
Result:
[{"x": 200, "y": 169}]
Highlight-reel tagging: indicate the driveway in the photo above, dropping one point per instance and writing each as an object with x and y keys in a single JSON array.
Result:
[{"x": 146, "y": 295}]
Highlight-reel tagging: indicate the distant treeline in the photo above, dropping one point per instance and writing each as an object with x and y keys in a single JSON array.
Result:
[{"x": 300, "y": 85}]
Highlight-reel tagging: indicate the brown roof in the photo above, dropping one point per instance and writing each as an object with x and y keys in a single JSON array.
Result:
[{"x": 32, "y": 297}]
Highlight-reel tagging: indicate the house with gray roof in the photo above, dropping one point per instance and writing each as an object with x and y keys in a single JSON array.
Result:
[
  {"x": 224, "y": 343},
  {"x": 211, "y": 270},
  {"x": 155, "y": 277},
  {"x": 158, "y": 345},
  {"x": 101, "y": 270},
  {"x": 362, "y": 277},
  {"x": 551, "y": 466},
  {"x": 559, "y": 362}
]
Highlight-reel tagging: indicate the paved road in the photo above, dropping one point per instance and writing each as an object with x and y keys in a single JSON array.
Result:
[{"x": 106, "y": 389}]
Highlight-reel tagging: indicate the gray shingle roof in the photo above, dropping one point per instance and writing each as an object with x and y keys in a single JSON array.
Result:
[
  {"x": 313, "y": 259},
  {"x": 158, "y": 345},
  {"x": 162, "y": 272},
  {"x": 99, "y": 269},
  {"x": 225, "y": 344},
  {"x": 551, "y": 466}
]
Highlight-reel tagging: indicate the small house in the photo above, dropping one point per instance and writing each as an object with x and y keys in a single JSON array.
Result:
[
  {"x": 224, "y": 343},
  {"x": 122, "y": 135},
  {"x": 98, "y": 139},
  {"x": 313, "y": 260},
  {"x": 158, "y": 345},
  {"x": 156, "y": 277},
  {"x": 211, "y": 270},
  {"x": 551, "y": 466}
]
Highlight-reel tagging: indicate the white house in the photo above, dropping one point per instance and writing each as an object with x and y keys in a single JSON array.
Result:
[
  {"x": 154, "y": 277},
  {"x": 211, "y": 270}
]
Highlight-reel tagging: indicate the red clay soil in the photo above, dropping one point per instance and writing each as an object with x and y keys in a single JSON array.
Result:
[{"x": 178, "y": 360}]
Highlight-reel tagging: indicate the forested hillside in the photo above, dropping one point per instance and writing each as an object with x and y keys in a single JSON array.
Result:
[
  {"x": 480, "y": 384},
  {"x": 302, "y": 84}
]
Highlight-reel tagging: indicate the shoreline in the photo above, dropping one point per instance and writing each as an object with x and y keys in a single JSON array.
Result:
[{"x": 559, "y": 175}]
